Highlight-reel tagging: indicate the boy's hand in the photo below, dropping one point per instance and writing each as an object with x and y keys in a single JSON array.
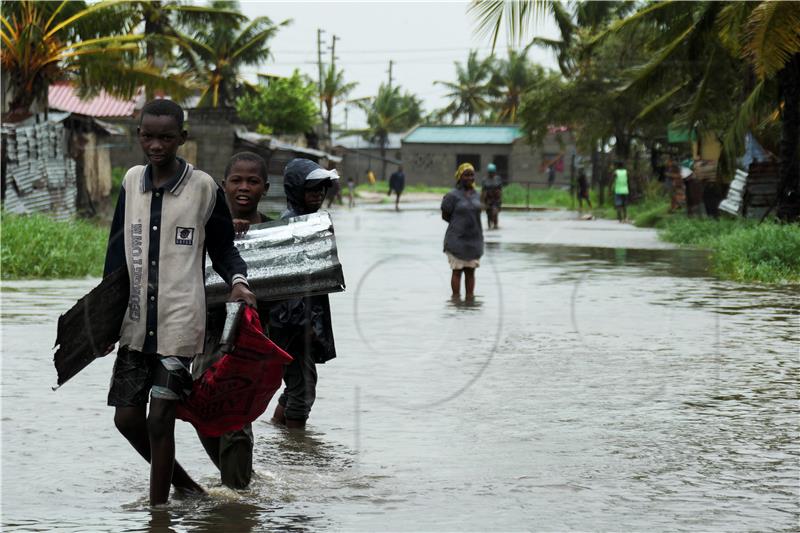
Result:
[
  {"x": 241, "y": 292},
  {"x": 240, "y": 226}
]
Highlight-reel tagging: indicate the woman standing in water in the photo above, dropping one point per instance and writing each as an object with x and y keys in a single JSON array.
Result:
[{"x": 463, "y": 240}]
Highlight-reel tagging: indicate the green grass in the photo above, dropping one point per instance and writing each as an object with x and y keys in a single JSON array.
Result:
[
  {"x": 383, "y": 188},
  {"x": 37, "y": 246},
  {"x": 742, "y": 250},
  {"x": 515, "y": 194}
]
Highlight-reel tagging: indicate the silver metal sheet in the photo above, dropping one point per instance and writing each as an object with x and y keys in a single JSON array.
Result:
[{"x": 286, "y": 259}]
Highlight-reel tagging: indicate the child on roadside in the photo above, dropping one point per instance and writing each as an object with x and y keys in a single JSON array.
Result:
[
  {"x": 245, "y": 183},
  {"x": 167, "y": 216},
  {"x": 302, "y": 326}
]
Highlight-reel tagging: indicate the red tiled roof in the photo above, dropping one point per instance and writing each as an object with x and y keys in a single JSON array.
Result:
[{"x": 64, "y": 97}]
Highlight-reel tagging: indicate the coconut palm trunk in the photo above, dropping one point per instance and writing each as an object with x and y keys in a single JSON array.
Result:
[{"x": 789, "y": 188}]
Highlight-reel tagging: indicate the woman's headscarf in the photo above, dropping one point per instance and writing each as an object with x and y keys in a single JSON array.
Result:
[{"x": 463, "y": 167}]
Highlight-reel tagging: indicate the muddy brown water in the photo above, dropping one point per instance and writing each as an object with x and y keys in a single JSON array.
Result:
[{"x": 601, "y": 380}]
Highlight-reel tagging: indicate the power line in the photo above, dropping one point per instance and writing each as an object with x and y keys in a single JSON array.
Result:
[{"x": 395, "y": 51}]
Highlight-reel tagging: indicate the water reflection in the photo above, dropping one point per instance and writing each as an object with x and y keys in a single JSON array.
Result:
[
  {"x": 617, "y": 375},
  {"x": 468, "y": 304}
]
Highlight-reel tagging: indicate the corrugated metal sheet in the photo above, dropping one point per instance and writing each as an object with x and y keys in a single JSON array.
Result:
[
  {"x": 40, "y": 177},
  {"x": 64, "y": 96},
  {"x": 732, "y": 204},
  {"x": 287, "y": 258},
  {"x": 752, "y": 194},
  {"x": 463, "y": 135},
  {"x": 13, "y": 203}
]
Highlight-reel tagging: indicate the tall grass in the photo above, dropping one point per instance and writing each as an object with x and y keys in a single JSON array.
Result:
[
  {"x": 37, "y": 246},
  {"x": 742, "y": 250},
  {"x": 701, "y": 231}
]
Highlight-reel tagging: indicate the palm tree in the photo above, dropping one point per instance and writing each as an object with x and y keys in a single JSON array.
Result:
[
  {"x": 334, "y": 90},
  {"x": 509, "y": 81},
  {"x": 470, "y": 93},
  {"x": 164, "y": 21},
  {"x": 45, "y": 42},
  {"x": 216, "y": 52},
  {"x": 389, "y": 112}
]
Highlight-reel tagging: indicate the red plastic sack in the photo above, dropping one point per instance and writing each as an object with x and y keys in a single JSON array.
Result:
[{"x": 236, "y": 389}]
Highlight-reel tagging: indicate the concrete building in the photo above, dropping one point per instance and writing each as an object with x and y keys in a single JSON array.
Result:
[
  {"x": 431, "y": 154},
  {"x": 360, "y": 156}
]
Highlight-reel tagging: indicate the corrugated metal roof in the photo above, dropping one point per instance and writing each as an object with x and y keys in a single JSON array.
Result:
[
  {"x": 274, "y": 144},
  {"x": 463, "y": 135},
  {"x": 357, "y": 142},
  {"x": 64, "y": 96}
]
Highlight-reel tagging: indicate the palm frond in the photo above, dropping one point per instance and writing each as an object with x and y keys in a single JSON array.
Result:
[
  {"x": 647, "y": 72},
  {"x": 643, "y": 15},
  {"x": 700, "y": 95},
  {"x": 730, "y": 23},
  {"x": 773, "y": 36},
  {"x": 9, "y": 27},
  {"x": 256, "y": 40},
  {"x": 55, "y": 13},
  {"x": 105, "y": 4},
  {"x": 519, "y": 16},
  {"x": 660, "y": 101}
]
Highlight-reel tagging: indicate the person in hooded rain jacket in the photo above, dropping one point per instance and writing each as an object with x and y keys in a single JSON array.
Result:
[{"x": 302, "y": 326}]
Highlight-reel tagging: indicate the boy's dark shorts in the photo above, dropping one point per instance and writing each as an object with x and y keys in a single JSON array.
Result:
[
  {"x": 136, "y": 374},
  {"x": 620, "y": 200}
]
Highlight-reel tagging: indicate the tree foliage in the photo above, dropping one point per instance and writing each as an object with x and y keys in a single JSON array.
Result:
[
  {"x": 282, "y": 106},
  {"x": 44, "y": 42},
  {"x": 723, "y": 67},
  {"x": 217, "y": 51}
]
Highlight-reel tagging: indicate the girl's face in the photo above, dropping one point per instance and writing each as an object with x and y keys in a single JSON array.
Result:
[
  {"x": 244, "y": 186},
  {"x": 468, "y": 179}
]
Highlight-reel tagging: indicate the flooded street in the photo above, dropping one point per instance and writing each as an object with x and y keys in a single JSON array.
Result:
[{"x": 601, "y": 380}]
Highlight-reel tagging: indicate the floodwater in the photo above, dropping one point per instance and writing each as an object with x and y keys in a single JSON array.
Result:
[{"x": 601, "y": 380}]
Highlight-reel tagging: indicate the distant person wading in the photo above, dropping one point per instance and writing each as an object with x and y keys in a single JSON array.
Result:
[
  {"x": 463, "y": 240},
  {"x": 492, "y": 196}
]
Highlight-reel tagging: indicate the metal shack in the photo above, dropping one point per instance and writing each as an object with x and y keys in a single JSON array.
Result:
[{"x": 58, "y": 162}]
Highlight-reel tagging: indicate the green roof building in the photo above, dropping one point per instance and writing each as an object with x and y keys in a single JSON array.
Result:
[{"x": 431, "y": 153}]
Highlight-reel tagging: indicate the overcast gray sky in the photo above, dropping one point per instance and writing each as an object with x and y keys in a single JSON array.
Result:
[{"x": 422, "y": 38}]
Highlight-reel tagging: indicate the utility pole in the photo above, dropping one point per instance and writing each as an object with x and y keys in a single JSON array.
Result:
[
  {"x": 319, "y": 67},
  {"x": 329, "y": 117},
  {"x": 333, "y": 50},
  {"x": 390, "y": 73}
]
